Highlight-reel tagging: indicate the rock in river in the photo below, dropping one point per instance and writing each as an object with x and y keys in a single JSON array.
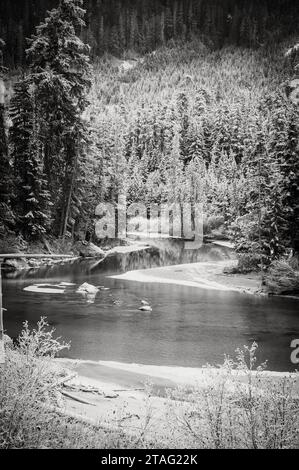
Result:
[
  {"x": 87, "y": 289},
  {"x": 146, "y": 308}
]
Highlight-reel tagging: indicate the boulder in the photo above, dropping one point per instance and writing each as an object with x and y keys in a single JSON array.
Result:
[
  {"x": 146, "y": 308},
  {"x": 87, "y": 289},
  {"x": 91, "y": 251}
]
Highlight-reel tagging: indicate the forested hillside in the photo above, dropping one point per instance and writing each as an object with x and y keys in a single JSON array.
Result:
[
  {"x": 189, "y": 124},
  {"x": 185, "y": 122},
  {"x": 142, "y": 25}
]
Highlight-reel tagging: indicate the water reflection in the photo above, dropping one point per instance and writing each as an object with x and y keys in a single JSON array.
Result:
[{"x": 164, "y": 253}]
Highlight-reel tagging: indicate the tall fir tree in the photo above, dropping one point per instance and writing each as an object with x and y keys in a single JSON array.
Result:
[
  {"x": 290, "y": 165},
  {"x": 60, "y": 71},
  {"x": 6, "y": 215},
  {"x": 32, "y": 198},
  {"x": 290, "y": 181}
]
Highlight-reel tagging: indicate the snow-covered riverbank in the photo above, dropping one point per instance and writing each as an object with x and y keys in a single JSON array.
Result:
[
  {"x": 205, "y": 275},
  {"x": 130, "y": 394}
]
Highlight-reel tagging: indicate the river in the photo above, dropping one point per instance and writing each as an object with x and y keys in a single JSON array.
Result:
[{"x": 188, "y": 326}]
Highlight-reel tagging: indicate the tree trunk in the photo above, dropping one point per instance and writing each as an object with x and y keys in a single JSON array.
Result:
[{"x": 69, "y": 198}]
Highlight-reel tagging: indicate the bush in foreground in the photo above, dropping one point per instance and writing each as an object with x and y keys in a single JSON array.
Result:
[
  {"x": 238, "y": 406},
  {"x": 29, "y": 399},
  {"x": 282, "y": 278}
]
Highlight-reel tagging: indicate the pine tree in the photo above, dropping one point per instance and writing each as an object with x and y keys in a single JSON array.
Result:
[
  {"x": 32, "y": 199},
  {"x": 60, "y": 71},
  {"x": 6, "y": 216},
  {"x": 249, "y": 238},
  {"x": 183, "y": 108},
  {"x": 274, "y": 223},
  {"x": 290, "y": 181},
  {"x": 290, "y": 164}
]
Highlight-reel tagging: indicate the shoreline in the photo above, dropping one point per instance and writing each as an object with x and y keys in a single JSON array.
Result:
[
  {"x": 204, "y": 275},
  {"x": 177, "y": 374},
  {"x": 120, "y": 395},
  {"x": 20, "y": 262}
]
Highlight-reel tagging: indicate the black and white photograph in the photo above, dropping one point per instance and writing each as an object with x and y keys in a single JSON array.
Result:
[{"x": 149, "y": 227}]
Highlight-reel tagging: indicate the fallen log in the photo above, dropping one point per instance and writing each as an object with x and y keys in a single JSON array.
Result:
[
  {"x": 65, "y": 379},
  {"x": 34, "y": 256},
  {"x": 80, "y": 400},
  {"x": 110, "y": 395},
  {"x": 84, "y": 388},
  {"x": 60, "y": 382}
]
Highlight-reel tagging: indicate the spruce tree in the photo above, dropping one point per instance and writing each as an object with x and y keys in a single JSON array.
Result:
[
  {"x": 290, "y": 164},
  {"x": 274, "y": 223},
  {"x": 290, "y": 181},
  {"x": 32, "y": 199},
  {"x": 249, "y": 236},
  {"x": 60, "y": 70},
  {"x": 6, "y": 215}
]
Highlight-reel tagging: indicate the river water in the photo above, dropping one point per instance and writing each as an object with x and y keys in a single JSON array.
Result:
[{"x": 188, "y": 326}]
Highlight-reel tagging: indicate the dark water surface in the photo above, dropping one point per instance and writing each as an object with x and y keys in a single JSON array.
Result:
[{"x": 187, "y": 327}]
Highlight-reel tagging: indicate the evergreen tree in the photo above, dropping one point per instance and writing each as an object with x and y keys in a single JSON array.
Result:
[
  {"x": 6, "y": 216},
  {"x": 290, "y": 164},
  {"x": 274, "y": 223},
  {"x": 290, "y": 180},
  {"x": 32, "y": 199},
  {"x": 60, "y": 71},
  {"x": 249, "y": 237}
]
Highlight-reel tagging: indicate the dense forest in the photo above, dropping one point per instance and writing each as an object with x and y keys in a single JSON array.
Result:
[
  {"x": 175, "y": 118},
  {"x": 141, "y": 25}
]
